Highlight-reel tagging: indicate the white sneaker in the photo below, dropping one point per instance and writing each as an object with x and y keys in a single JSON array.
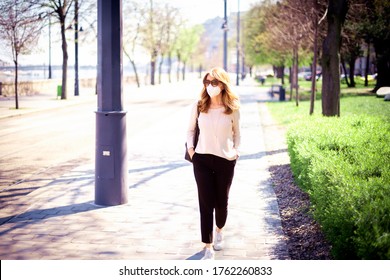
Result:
[
  {"x": 208, "y": 254},
  {"x": 218, "y": 243}
]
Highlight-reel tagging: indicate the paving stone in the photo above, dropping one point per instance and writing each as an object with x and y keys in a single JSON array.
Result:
[{"x": 161, "y": 219}]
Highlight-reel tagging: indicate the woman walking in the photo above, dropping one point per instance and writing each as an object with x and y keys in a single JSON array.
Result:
[{"x": 214, "y": 158}]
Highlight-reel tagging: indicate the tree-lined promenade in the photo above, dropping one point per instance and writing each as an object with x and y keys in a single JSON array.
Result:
[
  {"x": 149, "y": 27},
  {"x": 289, "y": 33},
  {"x": 341, "y": 163}
]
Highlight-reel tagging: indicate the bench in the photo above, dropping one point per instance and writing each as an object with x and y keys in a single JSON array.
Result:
[{"x": 278, "y": 89}]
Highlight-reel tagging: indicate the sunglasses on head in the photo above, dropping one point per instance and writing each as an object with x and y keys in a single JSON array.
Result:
[{"x": 214, "y": 83}]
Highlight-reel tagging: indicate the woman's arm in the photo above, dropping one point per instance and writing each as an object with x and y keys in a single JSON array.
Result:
[
  {"x": 191, "y": 129},
  {"x": 237, "y": 131}
]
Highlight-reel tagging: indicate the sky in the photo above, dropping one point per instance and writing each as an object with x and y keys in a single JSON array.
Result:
[{"x": 196, "y": 11}]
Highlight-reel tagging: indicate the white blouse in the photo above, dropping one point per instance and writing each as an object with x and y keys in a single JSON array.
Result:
[{"x": 219, "y": 133}]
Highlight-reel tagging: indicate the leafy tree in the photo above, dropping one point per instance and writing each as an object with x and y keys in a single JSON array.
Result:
[
  {"x": 60, "y": 9},
  {"x": 281, "y": 34},
  {"x": 352, "y": 40},
  {"x": 254, "y": 28},
  {"x": 286, "y": 36},
  {"x": 186, "y": 44},
  {"x": 296, "y": 25},
  {"x": 151, "y": 35},
  {"x": 169, "y": 31},
  {"x": 20, "y": 27}
]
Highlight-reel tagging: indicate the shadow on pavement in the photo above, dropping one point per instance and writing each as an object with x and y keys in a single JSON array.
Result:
[{"x": 35, "y": 216}]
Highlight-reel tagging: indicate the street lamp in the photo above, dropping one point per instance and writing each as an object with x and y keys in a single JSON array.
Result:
[
  {"x": 225, "y": 30},
  {"x": 111, "y": 144},
  {"x": 76, "y": 48},
  {"x": 50, "y": 75}
]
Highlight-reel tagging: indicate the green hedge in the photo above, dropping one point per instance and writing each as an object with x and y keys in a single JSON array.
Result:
[{"x": 344, "y": 165}]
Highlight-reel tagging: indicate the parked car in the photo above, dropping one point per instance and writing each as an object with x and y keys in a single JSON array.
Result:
[
  {"x": 303, "y": 75},
  {"x": 308, "y": 76}
]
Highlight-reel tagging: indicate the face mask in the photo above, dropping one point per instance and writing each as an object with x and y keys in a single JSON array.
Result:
[{"x": 213, "y": 91}]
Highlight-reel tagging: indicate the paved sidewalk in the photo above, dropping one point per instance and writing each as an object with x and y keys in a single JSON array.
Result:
[
  {"x": 35, "y": 103},
  {"x": 161, "y": 219}
]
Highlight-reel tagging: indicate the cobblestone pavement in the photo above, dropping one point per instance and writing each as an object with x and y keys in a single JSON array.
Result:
[{"x": 161, "y": 219}]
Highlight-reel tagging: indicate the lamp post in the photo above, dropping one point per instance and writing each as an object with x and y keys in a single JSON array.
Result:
[
  {"x": 111, "y": 144},
  {"x": 76, "y": 48},
  {"x": 225, "y": 30},
  {"x": 50, "y": 75}
]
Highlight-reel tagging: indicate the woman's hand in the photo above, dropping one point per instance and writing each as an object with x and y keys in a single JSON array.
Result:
[{"x": 191, "y": 152}]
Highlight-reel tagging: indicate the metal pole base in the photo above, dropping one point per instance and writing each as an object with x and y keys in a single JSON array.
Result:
[{"x": 111, "y": 159}]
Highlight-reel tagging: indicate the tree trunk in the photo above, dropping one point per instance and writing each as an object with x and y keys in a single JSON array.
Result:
[
  {"x": 152, "y": 71},
  {"x": 345, "y": 72},
  {"x": 279, "y": 72},
  {"x": 352, "y": 71},
  {"x": 134, "y": 67},
  {"x": 314, "y": 66},
  {"x": 64, "y": 59},
  {"x": 296, "y": 78},
  {"x": 153, "y": 68},
  {"x": 367, "y": 64},
  {"x": 160, "y": 69},
  {"x": 294, "y": 75},
  {"x": 184, "y": 71},
  {"x": 178, "y": 67},
  {"x": 169, "y": 67},
  {"x": 383, "y": 63},
  {"x": 16, "y": 84},
  {"x": 135, "y": 72},
  {"x": 291, "y": 82},
  {"x": 337, "y": 10}
]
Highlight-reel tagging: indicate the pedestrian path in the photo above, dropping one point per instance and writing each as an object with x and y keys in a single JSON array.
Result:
[
  {"x": 161, "y": 219},
  {"x": 35, "y": 103}
]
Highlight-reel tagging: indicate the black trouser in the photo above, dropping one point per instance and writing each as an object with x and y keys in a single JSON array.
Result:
[{"x": 214, "y": 176}]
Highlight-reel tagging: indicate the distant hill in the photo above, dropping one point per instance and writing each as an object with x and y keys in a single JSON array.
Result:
[
  {"x": 213, "y": 38},
  {"x": 213, "y": 33}
]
